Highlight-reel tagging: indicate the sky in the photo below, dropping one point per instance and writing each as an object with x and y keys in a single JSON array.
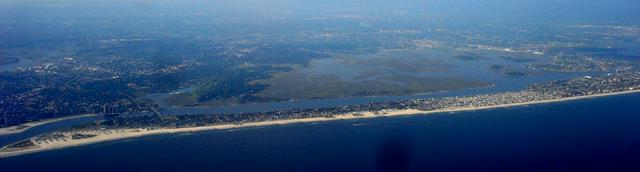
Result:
[{"x": 618, "y": 11}]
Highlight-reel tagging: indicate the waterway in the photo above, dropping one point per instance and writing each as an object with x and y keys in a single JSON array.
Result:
[{"x": 599, "y": 134}]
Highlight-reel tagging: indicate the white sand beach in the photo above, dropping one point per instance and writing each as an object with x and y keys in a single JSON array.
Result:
[{"x": 109, "y": 135}]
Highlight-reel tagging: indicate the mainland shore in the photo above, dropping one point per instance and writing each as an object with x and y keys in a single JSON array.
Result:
[{"x": 117, "y": 134}]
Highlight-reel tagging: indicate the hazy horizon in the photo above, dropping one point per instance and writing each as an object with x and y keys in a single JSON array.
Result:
[{"x": 511, "y": 11}]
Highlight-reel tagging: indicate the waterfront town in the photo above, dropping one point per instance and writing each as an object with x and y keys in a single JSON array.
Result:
[
  {"x": 588, "y": 85},
  {"x": 619, "y": 82}
]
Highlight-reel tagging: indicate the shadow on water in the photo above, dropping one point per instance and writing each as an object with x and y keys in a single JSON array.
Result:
[
  {"x": 632, "y": 157},
  {"x": 394, "y": 154},
  {"x": 625, "y": 160}
]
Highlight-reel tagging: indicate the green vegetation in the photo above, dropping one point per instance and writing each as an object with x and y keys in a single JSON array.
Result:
[
  {"x": 388, "y": 72},
  {"x": 305, "y": 86},
  {"x": 410, "y": 61},
  {"x": 182, "y": 99},
  {"x": 21, "y": 145},
  {"x": 227, "y": 87},
  {"x": 82, "y": 136}
]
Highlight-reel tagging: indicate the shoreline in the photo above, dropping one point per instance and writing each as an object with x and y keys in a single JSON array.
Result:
[
  {"x": 119, "y": 134},
  {"x": 26, "y": 126}
]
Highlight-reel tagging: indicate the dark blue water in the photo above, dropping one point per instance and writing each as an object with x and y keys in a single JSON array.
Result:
[{"x": 587, "y": 135}]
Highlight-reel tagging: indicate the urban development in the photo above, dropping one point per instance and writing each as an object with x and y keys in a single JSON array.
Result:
[{"x": 622, "y": 81}]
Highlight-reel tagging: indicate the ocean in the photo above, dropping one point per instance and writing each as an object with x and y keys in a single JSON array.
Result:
[{"x": 600, "y": 134}]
